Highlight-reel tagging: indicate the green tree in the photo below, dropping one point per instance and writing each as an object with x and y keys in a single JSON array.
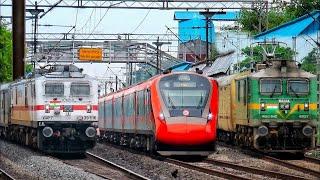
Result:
[
  {"x": 309, "y": 62},
  {"x": 5, "y": 55},
  {"x": 249, "y": 19},
  {"x": 301, "y": 7},
  {"x": 214, "y": 51},
  {"x": 257, "y": 54}
]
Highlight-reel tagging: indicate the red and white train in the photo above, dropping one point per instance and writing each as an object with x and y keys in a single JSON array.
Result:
[
  {"x": 172, "y": 114},
  {"x": 56, "y": 111}
]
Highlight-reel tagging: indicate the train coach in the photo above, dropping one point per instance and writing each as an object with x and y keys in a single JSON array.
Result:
[
  {"x": 171, "y": 114},
  {"x": 273, "y": 109},
  {"x": 55, "y": 111}
]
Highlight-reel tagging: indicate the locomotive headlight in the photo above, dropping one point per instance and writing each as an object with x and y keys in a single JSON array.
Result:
[
  {"x": 306, "y": 106},
  {"x": 161, "y": 116},
  {"x": 281, "y": 106},
  {"x": 57, "y": 110},
  {"x": 91, "y": 132},
  {"x": 307, "y": 130},
  {"x": 263, "y": 106},
  {"x": 47, "y": 132},
  {"x": 47, "y": 108},
  {"x": 89, "y": 108},
  {"x": 287, "y": 107},
  {"x": 210, "y": 116},
  {"x": 263, "y": 131}
]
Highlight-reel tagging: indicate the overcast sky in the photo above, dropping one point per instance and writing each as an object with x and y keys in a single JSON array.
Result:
[{"x": 110, "y": 21}]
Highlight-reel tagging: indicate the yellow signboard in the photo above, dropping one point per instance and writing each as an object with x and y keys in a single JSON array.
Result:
[{"x": 90, "y": 54}]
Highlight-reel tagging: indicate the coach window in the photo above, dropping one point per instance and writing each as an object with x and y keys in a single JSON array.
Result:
[
  {"x": 16, "y": 91},
  {"x": 244, "y": 92},
  {"x": 140, "y": 103},
  {"x": 238, "y": 91},
  {"x": 80, "y": 89},
  {"x": 26, "y": 95},
  {"x": 54, "y": 89}
]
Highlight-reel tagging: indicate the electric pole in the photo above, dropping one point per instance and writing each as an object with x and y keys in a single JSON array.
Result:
[
  {"x": 208, "y": 14},
  {"x": 159, "y": 44},
  {"x": 18, "y": 33},
  {"x": 35, "y": 13}
]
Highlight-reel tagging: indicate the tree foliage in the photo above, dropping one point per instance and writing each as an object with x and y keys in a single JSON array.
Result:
[
  {"x": 5, "y": 55},
  {"x": 249, "y": 19},
  {"x": 255, "y": 54},
  {"x": 309, "y": 62}
]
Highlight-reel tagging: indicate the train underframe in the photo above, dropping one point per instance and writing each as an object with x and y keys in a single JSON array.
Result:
[
  {"x": 66, "y": 137},
  {"x": 280, "y": 137},
  {"x": 147, "y": 143}
]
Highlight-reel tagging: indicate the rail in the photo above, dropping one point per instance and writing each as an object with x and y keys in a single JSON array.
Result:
[
  {"x": 272, "y": 174},
  {"x": 221, "y": 174},
  {"x": 312, "y": 159},
  {"x": 291, "y": 166},
  {"x": 5, "y": 176},
  {"x": 130, "y": 173}
]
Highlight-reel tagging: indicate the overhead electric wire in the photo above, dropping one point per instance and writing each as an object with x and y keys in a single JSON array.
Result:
[
  {"x": 101, "y": 18},
  {"x": 183, "y": 44},
  {"x": 144, "y": 18}
]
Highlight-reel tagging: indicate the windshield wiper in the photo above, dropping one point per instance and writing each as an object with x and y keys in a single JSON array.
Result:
[
  {"x": 274, "y": 90},
  {"x": 294, "y": 92},
  {"x": 170, "y": 102},
  {"x": 200, "y": 102}
]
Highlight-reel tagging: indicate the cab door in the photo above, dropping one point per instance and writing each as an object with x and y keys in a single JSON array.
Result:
[{"x": 241, "y": 101}]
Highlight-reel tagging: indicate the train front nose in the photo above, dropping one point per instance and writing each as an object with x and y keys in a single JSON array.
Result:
[{"x": 185, "y": 131}]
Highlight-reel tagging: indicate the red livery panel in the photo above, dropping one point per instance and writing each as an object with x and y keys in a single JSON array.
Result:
[{"x": 172, "y": 114}]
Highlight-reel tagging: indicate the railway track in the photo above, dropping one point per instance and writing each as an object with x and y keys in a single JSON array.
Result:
[
  {"x": 312, "y": 159},
  {"x": 5, "y": 176},
  {"x": 212, "y": 172},
  {"x": 129, "y": 173},
  {"x": 280, "y": 162},
  {"x": 291, "y": 166},
  {"x": 252, "y": 170}
]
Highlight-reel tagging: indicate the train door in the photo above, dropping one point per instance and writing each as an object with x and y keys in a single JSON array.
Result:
[
  {"x": 148, "y": 110},
  {"x": 6, "y": 108},
  {"x": 241, "y": 110},
  {"x": 1, "y": 108}
]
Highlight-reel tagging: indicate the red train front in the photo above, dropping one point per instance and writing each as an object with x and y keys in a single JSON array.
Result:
[{"x": 173, "y": 114}]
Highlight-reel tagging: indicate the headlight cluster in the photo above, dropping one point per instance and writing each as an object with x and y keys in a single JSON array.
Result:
[
  {"x": 284, "y": 106},
  {"x": 262, "y": 106},
  {"x": 306, "y": 106}
]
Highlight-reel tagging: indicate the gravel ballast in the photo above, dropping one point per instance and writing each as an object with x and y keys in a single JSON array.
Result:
[
  {"x": 145, "y": 165},
  {"x": 24, "y": 163}
]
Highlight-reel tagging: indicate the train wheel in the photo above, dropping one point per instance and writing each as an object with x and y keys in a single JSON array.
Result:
[{"x": 151, "y": 145}]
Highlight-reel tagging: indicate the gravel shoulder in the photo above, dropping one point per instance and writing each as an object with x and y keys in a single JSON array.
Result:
[
  {"x": 28, "y": 164},
  {"x": 235, "y": 156},
  {"x": 145, "y": 165}
]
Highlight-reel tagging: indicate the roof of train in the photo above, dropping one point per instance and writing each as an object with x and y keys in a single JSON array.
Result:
[
  {"x": 292, "y": 71},
  {"x": 275, "y": 71},
  {"x": 141, "y": 85}
]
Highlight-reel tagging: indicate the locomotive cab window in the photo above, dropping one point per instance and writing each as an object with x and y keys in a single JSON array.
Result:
[
  {"x": 80, "y": 89},
  {"x": 270, "y": 86},
  {"x": 298, "y": 87},
  {"x": 54, "y": 89}
]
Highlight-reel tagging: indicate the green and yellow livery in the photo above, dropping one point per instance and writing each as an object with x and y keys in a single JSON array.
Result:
[{"x": 274, "y": 109}]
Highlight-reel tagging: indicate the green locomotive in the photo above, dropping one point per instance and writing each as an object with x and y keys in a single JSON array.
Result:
[{"x": 273, "y": 109}]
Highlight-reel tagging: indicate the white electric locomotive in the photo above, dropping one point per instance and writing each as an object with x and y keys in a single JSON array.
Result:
[{"x": 55, "y": 111}]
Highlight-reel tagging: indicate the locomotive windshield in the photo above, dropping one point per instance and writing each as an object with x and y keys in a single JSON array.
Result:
[
  {"x": 185, "y": 91},
  {"x": 270, "y": 86},
  {"x": 80, "y": 89},
  {"x": 298, "y": 86},
  {"x": 54, "y": 89}
]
